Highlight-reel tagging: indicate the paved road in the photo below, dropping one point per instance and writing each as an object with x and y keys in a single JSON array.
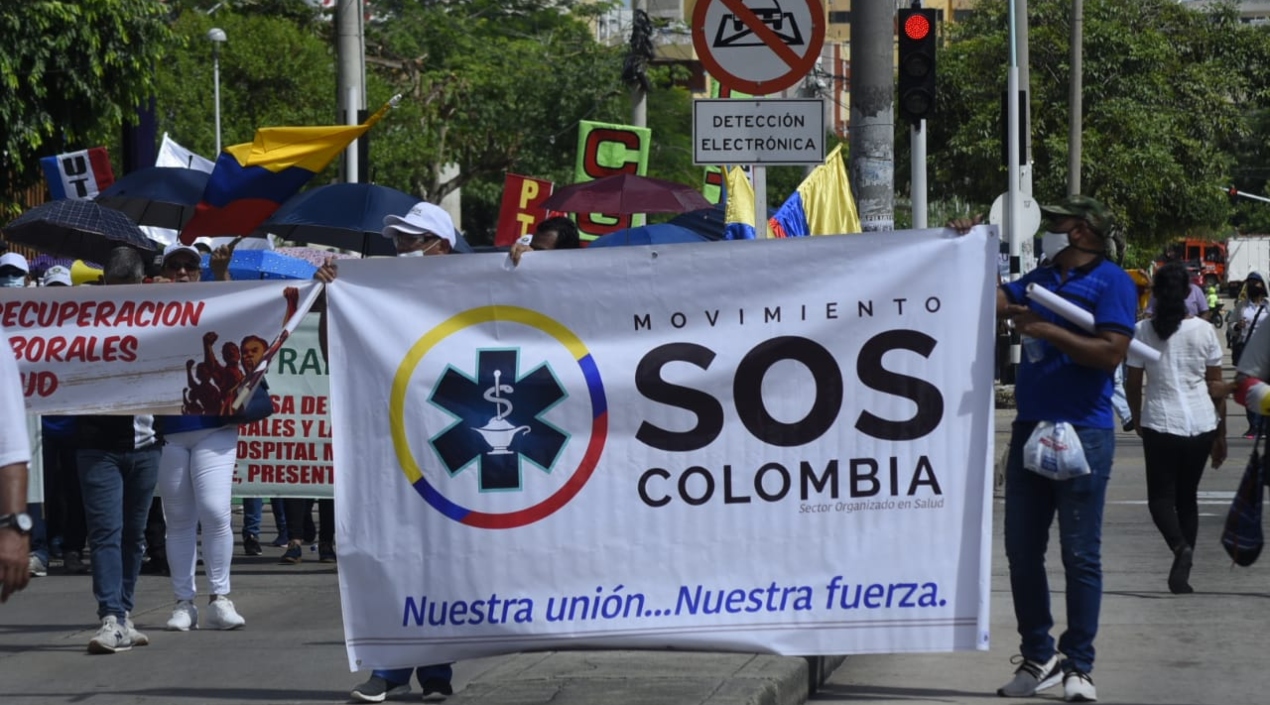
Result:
[
  {"x": 1154, "y": 648},
  {"x": 1209, "y": 648}
]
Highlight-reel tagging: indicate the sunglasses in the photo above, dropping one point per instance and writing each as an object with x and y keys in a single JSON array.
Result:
[{"x": 180, "y": 266}]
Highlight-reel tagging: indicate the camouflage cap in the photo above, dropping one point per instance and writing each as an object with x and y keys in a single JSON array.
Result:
[{"x": 1084, "y": 207}]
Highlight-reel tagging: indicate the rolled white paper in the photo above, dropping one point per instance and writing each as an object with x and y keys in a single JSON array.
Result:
[{"x": 1075, "y": 314}]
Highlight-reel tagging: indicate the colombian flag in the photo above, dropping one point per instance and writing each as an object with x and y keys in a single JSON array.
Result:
[
  {"x": 251, "y": 180},
  {"x": 739, "y": 213},
  {"x": 822, "y": 205}
]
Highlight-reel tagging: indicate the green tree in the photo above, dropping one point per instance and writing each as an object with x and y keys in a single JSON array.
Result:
[
  {"x": 72, "y": 72},
  {"x": 273, "y": 71},
  {"x": 490, "y": 86},
  {"x": 1167, "y": 95}
]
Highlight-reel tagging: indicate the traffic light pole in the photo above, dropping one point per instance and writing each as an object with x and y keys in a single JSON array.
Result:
[
  {"x": 1014, "y": 196},
  {"x": 917, "y": 147}
]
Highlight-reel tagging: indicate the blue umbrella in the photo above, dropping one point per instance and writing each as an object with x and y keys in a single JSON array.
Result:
[
  {"x": 262, "y": 264},
  {"x": 77, "y": 229},
  {"x": 161, "y": 196},
  {"x": 347, "y": 216},
  {"x": 659, "y": 234}
]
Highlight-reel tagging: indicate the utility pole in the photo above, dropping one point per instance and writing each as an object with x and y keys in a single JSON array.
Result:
[
  {"x": 639, "y": 97},
  {"x": 350, "y": 47},
  {"x": 1074, "y": 100},
  {"x": 872, "y": 159}
]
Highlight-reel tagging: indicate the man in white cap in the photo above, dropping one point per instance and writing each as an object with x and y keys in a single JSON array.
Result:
[
  {"x": 14, "y": 271},
  {"x": 426, "y": 230},
  {"x": 57, "y": 275}
]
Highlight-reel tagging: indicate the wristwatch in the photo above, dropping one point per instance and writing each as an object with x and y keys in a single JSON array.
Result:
[{"x": 20, "y": 521}]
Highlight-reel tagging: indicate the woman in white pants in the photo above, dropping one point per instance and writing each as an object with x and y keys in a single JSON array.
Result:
[{"x": 196, "y": 475}]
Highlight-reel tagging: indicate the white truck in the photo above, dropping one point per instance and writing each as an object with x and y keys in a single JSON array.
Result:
[{"x": 1246, "y": 254}]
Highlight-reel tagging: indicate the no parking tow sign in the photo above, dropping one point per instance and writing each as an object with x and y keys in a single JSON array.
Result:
[{"x": 759, "y": 47}]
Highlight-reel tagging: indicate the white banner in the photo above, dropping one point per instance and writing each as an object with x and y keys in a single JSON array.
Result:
[
  {"x": 776, "y": 446},
  {"x": 146, "y": 348},
  {"x": 289, "y": 454}
]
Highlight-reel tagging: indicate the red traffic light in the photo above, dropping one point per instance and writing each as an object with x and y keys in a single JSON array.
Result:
[{"x": 916, "y": 27}]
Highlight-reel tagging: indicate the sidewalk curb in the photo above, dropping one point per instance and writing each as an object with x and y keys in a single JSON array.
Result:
[{"x": 646, "y": 677}]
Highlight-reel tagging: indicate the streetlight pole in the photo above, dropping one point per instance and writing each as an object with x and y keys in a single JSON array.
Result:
[{"x": 217, "y": 36}]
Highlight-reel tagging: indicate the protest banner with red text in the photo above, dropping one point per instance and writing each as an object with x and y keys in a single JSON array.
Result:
[
  {"x": 155, "y": 348},
  {"x": 289, "y": 454},
  {"x": 522, "y": 209}
]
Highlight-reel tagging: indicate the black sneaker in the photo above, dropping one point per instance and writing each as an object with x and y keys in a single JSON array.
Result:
[
  {"x": 377, "y": 690},
  {"x": 251, "y": 545},
  {"x": 293, "y": 556},
  {"x": 73, "y": 564},
  {"x": 436, "y": 689},
  {"x": 1180, "y": 573},
  {"x": 156, "y": 566},
  {"x": 326, "y": 552}
]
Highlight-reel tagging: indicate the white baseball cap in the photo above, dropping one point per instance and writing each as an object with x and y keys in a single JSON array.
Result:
[
  {"x": 423, "y": 218},
  {"x": 178, "y": 247},
  {"x": 17, "y": 261},
  {"x": 57, "y": 275}
]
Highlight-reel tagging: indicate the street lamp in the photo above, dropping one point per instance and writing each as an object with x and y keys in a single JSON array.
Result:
[{"x": 217, "y": 36}]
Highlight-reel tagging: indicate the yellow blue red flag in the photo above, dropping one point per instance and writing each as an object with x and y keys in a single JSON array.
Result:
[
  {"x": 739, "y": 213},
  {"x": 251, "y": 180},
  {"x": 822, "y": 205}
]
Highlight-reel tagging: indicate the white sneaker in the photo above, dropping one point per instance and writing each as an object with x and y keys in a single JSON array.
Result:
[
  {"x": 222, "y": 615},
  {"x": 1031, "y": 677},
  {"x": 1078, "y": 687},
  {"x": 39, "y": 569},
  {"x": 138, "y": 638},
  {"x": 184, "y": 617},
  {"x": 111, "y": 638}
]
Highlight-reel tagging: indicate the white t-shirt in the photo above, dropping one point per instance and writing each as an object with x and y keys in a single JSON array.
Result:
[
  {"x": 15, "y": 447},
  {"x": 1175, "y": 399},
  {"x": 1253, "y": 315}
]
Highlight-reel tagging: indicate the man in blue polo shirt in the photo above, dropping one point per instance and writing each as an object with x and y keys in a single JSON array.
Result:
[{"x": 1065, "y": 375}]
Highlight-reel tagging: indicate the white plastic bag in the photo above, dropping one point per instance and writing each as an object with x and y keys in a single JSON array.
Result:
[{"x": 1054, "y": 451}]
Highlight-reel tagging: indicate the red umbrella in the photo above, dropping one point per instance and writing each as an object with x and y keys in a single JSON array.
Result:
[{"x": 626, "y": 193}]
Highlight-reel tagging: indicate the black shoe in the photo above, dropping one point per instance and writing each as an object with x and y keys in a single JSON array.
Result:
[
  {"x": 326, "y": 552},
  {"x": 1180, "y": 573},
  {"x": 156, "y": 566},
  {"x": 251, "y": 545},
  {"x": 436, "y": 689},
  {"x": 294, "y": 555},
  {"x": 73, "y": 564}
]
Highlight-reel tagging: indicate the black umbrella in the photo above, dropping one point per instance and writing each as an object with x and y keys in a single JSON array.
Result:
[
  {"x": 164, "y": 197},
  {"x": 76, "y": 228}
]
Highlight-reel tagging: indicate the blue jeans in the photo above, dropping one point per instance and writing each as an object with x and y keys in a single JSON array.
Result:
[
  {"x": 397, "y": 676},
  {"x": 1031, "y": 502},
  {"x": 117, "y": 487},
  {"x": 254, "y": 513}
]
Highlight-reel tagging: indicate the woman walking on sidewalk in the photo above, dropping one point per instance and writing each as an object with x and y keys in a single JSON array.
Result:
[
  {"x": 196, "y": 474},
  {"x": 1181, "y": 425}
]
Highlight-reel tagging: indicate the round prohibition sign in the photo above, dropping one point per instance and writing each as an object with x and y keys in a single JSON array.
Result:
[{"x": 758, "y": 47}]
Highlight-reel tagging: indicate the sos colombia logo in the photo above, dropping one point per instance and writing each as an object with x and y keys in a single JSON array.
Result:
[{"x": 497, "y": 418}]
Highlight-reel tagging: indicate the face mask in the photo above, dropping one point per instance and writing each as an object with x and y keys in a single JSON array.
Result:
[
  {"x": 418, "y": 253},
  {"x": 12, "y": 281},
  {"x": 1053, "y": 243}
]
